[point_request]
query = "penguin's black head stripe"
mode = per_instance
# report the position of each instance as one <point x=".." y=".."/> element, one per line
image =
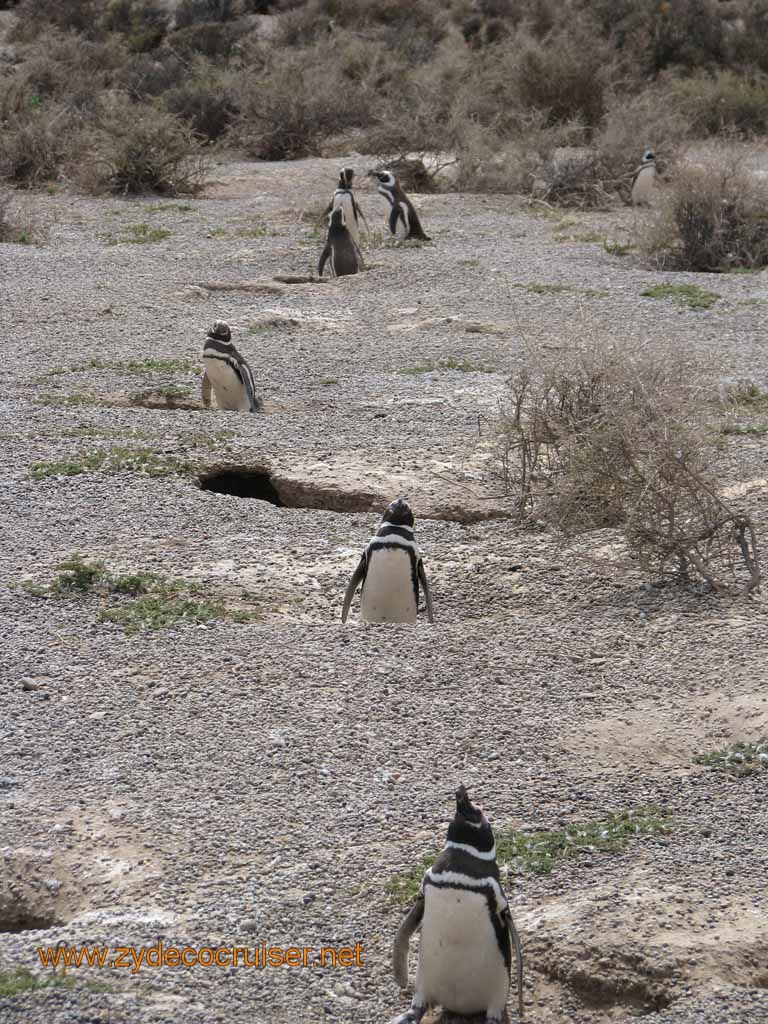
<point x="470" y="826"/>
<point x="398" y="513"/>
<point x="346" y="176"/>
<point x="221" y="331"/>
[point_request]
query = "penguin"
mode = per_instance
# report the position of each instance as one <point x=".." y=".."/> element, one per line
<point x="390" y="571"/>
<point x="341" y="251"/>
<point x="344" y="197"/>
<point x="466" y="926"/>
<point x="227" y="373"/>
<point x="643" y="180"/>
<point x="403" y="220"/>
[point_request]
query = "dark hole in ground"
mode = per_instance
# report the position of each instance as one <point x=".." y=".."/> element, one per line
<point x="242" y="483"/>
<point x="17" y="917"/>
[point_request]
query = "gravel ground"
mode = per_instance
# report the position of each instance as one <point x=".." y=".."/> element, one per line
<point x="237" y="782"/>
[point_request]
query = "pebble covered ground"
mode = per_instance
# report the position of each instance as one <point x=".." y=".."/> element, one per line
<point x="237" y="782"/>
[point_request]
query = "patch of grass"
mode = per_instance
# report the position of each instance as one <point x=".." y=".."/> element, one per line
<point x="469" y="263"/>
<point x="747" y="393"/>
<point x="168" y="207"/>
<point x="137" y="366"/>
<point x="111" y="460"/>
<point x="739" y="759"/>
<point x="617" y="248"/>
<point x="434" y="366"/>
<point x="584" y="238"/>
<point x="538" y="853"/>
<point x="746" y="430"/>
<point x="75" y="399"/>
<point x="171" y="392"/>
<point x="141" y="600"/>
<point x="689" y="295"/>
<point x="23" y="980"/>
<point x="138" y="234"/>
<point x="556" y="289"/>
<point x="327" y="382"/>
<point x="217" y="233"/>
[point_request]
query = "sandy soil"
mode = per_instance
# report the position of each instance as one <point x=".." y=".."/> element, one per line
<point x="228" y="783"/>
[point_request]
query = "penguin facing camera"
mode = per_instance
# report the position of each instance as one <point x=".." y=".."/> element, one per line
<point x="404" y="222"/>
<point x="465" y="955"/>
<point x="390" y="572"/>
<point x="226" y="373"/>
<point x="340" y="252"/>
<point x="644" y="180"/>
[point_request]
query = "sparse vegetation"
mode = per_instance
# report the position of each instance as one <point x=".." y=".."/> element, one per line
<point x="713" y="217"/>
<point x="111" y="460"/>
<point x="451" y="363"/>
<point x="739" y="759"/>
<point x="558" y="289"/>
<point x="17" y="224"/>
<point x="138" y="601"/>
<point x="138" y="234"/>
<point x="538" y="853"/>
<point x="137" y="366"/>
<point x="598" y="436"/>
<point x="689" y="295"/>
<point x="21" y="979"/>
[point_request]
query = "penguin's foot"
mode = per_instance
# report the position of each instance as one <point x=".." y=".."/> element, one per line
<point x="412" y="1016"/>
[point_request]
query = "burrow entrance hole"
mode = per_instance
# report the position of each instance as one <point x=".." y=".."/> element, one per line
<point x="242" y="483"/>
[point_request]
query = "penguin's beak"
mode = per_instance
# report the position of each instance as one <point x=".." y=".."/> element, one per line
<point x="465" y="807"/>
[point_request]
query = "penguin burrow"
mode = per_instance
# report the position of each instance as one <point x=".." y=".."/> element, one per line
<point x="390" y="571"/>
<point x="227" y="373"/>
<point x="467" y="931"/>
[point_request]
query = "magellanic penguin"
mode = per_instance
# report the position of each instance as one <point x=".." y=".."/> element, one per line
<point x="644" y="179"/>
<point x="227" y="373"/>
<point x="403" y="220"/>
<point x="340" y="252"/>
<point x="345" y="198"/>
<point x="390" y="572"/>
<point x="466" y="926"/>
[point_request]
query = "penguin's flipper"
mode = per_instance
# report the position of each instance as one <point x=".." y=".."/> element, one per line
<point x="205" y="390"/>
<point x="394" y="216"/>
<point x="254" y="403"/>
<point x="323" y="258"/>
<point x="361" y="215"/>
<point x="400" y="949"/>
<point x="358" y="576"/>
<point x="425" y="588"/>
<point x="324" y="214"/>
<point x="507" y="917"/>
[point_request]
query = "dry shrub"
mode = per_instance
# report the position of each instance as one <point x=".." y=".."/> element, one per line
<point x="712" y="103"/>
<point x="290" y="100"/>
<point x="137" y="148"/>
<point x="597" y="436"/>
<point x="142" y="23"/>
<point x="36" y="143"/>
<point x="18" y="224"/>
<point x="712" y="218"/>
<point x="204" y="99"/>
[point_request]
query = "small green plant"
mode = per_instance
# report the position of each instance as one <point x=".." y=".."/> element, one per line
<point x="111" y="460"/>
<point x="586" y="237"/>
<point x="138" y="234"/>
<point x="617" y="248"/>
<point x="138" y="601"/>
<point x="75" y="399"/>
<point x="538" y="853"/>
<point x="169" y="394"/>
<point x="556" y="289"/>
<point x="435" y="366"/>
<point x="134" y="366"/>
<point x="747" y="393"/>
<point x="739" y="759"/>
<point x="689" y="295"/>
<point x="169" y="207"/>
<point x="12" y="983"/>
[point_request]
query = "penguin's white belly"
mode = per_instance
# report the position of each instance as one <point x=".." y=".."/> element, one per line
<point x="345" y="202"/>
<point x="403" y="226"/>
<point x="388" y="589"/>
<point x="460" y="964"/>
<point x="644" y="184"/>
<point x="227" y="386"/>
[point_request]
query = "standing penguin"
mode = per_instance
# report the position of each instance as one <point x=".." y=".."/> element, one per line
<point x="345" y="198"/>
<point x="390" y="571"/>
<point x="644" y="179"/>
<point x="227" y="373"/>
<point x="341" y="251"/>
<point x="403" y="220"/>
<point x="464" y="953"/>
